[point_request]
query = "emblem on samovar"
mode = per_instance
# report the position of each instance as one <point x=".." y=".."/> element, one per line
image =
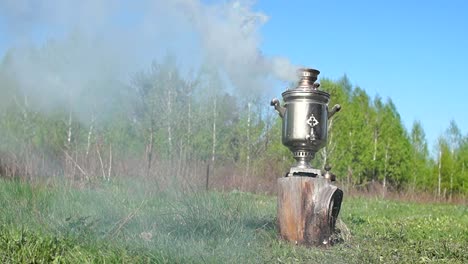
<point x="312" y="121"/>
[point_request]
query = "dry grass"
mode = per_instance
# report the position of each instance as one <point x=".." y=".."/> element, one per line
<point x="131" y="221"/>
<point x="92" y="168"/>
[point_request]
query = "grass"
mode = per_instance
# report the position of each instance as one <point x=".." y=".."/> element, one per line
<point x="130" y="222"/>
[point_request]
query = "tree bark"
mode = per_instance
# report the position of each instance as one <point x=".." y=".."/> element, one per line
<point x="149" y="149"/>
<point x="189" y="114"/>
<point x="451" y="174"/>
<point x="307" y="210"/>
<point x="169" y="120"/>
<point x="247" y="167"/>
<point x="374" y="156"/>
<point x="326" y="149"/>
<point x="440" y="175"/>
<point x="90" y="133"/>
<point x="98" y="146"/>
<point x="384" y="184"/>
<point x="213" y="149"/>
<point x="68" y="163"/>
<point x="109" y="171"/>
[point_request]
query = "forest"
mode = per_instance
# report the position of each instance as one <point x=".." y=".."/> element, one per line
<point x="195" y="129"/>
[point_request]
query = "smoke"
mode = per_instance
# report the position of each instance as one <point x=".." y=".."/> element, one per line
<point x="64" y="49"/>
<point x="229" y="36"/>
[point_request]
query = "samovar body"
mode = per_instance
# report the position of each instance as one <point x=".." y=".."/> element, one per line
<point x="305" y="117"/>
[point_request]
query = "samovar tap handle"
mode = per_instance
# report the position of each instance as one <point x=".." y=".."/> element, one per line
<point x="335" y="109"/>
<point x="281" y="110"/>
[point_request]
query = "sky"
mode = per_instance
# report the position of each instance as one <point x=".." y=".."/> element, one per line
<point x="414" y="52"/>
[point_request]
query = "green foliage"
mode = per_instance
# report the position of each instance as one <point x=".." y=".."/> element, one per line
<point x="420" y="167"/>
<point x="163" y="115"/>
<point x="367" y="140"/>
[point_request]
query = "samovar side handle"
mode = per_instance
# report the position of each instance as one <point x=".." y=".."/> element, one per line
<point x="281" y="110"/>
<point x="336" y="108"/>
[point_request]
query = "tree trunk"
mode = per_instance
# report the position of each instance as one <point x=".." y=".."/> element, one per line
<point x="213" y="149"/>
<point x="68" y="162"/>
<point x="207" y="179"/>
<point x="149" y="149"/>
<point x="349" y="178"/>
<point x="463" y="175"/>
<point x="169" y="120"/>
<point x="451" y="175"/>
<point x="69" y="133"/>
<point x="109" y="171"/>
<point x="350" y="169"/>
<point x="307" y="210"/>
<point x="98" y="147"/>
<point x="90" y="133"/>
<point x="247" y="167"/>
<point x="440" y="175"/>
<point x="326" y="149"/>
<point x="268" y="124"/>
<point x="374" y="156"/>
<point x="414" y="177"/>
<point x="384" y="184"/>
<point x="189" y="114"/>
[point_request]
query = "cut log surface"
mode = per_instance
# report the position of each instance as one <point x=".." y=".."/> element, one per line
<point x="307" y="210"/>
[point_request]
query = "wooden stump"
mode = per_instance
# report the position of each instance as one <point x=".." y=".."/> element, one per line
<point x="307" y="210"/>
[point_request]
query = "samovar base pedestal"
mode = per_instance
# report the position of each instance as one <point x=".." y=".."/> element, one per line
<point x="302" y="166"/>
<point x="304" y="172"/>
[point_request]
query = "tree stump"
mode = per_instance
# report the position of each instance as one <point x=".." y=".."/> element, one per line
<point x="307" y="210"/>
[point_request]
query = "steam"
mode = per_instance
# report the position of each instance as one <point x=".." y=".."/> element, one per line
<point x="87" y="43"/>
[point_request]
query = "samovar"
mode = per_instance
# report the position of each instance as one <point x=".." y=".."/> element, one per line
<point x="305" y="116"/>
<point x="308" y="204"/>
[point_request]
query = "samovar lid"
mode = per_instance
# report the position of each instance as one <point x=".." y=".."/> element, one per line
<point x="307" y="87"/>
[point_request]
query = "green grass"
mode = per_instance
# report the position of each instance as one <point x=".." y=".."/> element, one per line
<point x="130" y="222"/>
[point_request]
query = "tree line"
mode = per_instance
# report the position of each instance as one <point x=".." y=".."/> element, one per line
<point x="166" y="121"/>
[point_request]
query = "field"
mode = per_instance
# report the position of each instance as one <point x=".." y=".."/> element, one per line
<point x="131" y="222"/>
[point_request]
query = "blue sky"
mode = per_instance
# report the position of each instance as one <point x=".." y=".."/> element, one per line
<point x="415" y="52"/>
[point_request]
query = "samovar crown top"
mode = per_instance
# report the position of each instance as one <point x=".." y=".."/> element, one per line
<point x="307" y="78"/>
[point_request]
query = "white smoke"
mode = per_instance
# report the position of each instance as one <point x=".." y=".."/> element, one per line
<point x="89" y="41"/>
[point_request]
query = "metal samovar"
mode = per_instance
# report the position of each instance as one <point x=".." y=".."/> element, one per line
<point x="305" y="117"/>
<point x="308" y="204"/>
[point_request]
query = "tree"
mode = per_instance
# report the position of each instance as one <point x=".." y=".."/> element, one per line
<point x="461" y="175"/>
<point x="335" y="150"/>
<point x="420" y="167"/>
<point x="454" y="139"/>
<point x="360" y="136"/>
<point x="444" y="166"/>
<point x="395" y="148"/>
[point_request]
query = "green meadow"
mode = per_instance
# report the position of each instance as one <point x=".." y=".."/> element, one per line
<point x="134" y="222"/>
